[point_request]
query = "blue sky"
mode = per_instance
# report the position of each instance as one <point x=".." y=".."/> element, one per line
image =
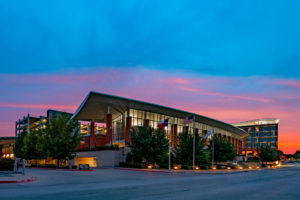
<point x="229" y="60"/>
<point x="234" y="38"/>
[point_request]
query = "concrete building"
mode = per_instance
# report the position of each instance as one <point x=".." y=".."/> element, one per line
<point x="261" y="132"/>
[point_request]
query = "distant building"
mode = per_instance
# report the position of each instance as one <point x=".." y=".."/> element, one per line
<point x="29" y="122"/>
<point x="262" y="132"/>
<point x="7" y="147"/>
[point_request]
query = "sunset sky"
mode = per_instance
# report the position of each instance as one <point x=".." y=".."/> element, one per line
<point x="229" y="60"/>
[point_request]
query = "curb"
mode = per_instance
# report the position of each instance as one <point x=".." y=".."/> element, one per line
<point x="183" y="172"/>
<point x="19" y="181"/>
<point x="142" y="170"/>
<point x="87" y="170"/>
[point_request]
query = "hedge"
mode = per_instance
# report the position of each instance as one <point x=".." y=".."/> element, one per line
<point x="6" y="165"/>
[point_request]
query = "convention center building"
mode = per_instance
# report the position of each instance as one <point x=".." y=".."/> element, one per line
<point x="118" y="115"/>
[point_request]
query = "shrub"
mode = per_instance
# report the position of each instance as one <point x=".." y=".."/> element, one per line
<point x="163" y="165"/>
<point x="186" y="167"/>
<point x="6" y="165"/>
<point x="74" y="166"/>
<point x="204" y="166"/>
<point x="132" y="165"/>
<point x="253" y="159"/>
<point x="101" y="148"/>
<point x="50" y="166"/>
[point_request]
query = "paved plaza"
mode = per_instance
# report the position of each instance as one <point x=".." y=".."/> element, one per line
<point x="283" y="183"/>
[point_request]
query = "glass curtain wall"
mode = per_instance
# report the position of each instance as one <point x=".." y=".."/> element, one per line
<point x="117" y="128"/>
<point x="139" y="116"/>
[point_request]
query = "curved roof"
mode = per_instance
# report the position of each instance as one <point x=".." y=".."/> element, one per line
<point x="94" y="108"/>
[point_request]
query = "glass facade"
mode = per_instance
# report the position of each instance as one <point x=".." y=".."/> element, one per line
<point x="261" y="135"/>
<point x="139" y="117"/>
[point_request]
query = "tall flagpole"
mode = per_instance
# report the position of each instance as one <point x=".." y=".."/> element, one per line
<point x="194" y="141"/>
<point x="169" y="147"/>
<point x="213" y="150"/>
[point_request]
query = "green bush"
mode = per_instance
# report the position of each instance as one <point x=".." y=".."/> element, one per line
<point x="163" y="165"/>
<point x="253" y="159"/>
<point x="6" y="165"/>
<point x="74" y="166"/>
<point x="49" y="166"/>
<point x="101" y="148"/>
<point x="132" y="165"/>
<point x="204" y="166"/>
<point x="186" y="167"/>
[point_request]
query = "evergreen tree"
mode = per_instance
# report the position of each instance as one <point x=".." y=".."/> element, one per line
<point x="223" y="150"/>
<point x="184" y="150"/>
<point x="268" y="154"/>
<point x="148" y="144"/>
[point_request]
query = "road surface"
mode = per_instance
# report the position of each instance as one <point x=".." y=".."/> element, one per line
<point x="283" y="183"/>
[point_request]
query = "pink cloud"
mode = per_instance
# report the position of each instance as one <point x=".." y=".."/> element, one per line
<point x="290" y="83"/>
<point x="229" y="99"/>
<point x="38" y="106"/>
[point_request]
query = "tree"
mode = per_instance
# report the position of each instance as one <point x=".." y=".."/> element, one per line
<point x="148" y="144"/>
<point x="223" y="150"/>
<point x="268" y="154"/>
<point x="184" y="150"/>
<point x="19" y="144"/>
<point x="297" y="155"/>
<point x="29" y="145"/>
<point x="62" y="136"/>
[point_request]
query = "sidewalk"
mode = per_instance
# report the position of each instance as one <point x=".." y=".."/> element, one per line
<point x="9" y="177"/>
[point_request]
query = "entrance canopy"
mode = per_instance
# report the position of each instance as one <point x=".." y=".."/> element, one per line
<point x="95" y="107"/>
<point x="7" y="140"/>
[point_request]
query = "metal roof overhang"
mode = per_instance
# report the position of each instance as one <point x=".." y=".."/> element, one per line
<point x="94" y="108"/>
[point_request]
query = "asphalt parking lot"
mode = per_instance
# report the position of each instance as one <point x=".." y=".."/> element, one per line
<point x="283" y="183"/>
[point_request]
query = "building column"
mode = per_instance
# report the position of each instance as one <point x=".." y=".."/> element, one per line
<point x="92" y="134"/>
<point x="127" y="129"/>
<point x="197" y="131"/>
<point x="241" y="146"/>
<point x="174" y="138"/>
<point x="86" y="141"/>
<point x="232" y="141"/>
<point x="146" y="122"/>
<point x="245" y="145"/>
<point x="108" y="129"/>
<point x="185" y="129"/>
<point x="234" y="144"/>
